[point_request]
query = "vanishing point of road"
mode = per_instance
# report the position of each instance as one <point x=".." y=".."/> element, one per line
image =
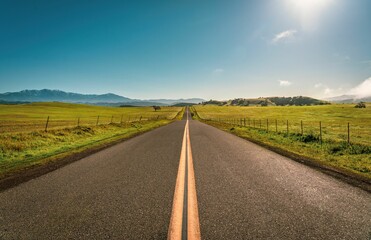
<point x="186" y="180"/>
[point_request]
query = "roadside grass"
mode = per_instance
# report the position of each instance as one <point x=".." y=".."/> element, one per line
<point x="27" y="148"/>
<point x="334" y="150"/>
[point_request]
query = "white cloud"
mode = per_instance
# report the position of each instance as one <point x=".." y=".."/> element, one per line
<point x="328" y="91"/>
<point x="331" y="92"/>
<point x="341" y="57"/>
<point x="318" y="85"/>
<point x="284" y="83"/>
<point x="218" y="71"/>
<point x="363" y="89"/>
<point x="285" y="35"/>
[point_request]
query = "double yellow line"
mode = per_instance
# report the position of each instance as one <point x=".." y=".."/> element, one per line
<point x="184" y="222"/>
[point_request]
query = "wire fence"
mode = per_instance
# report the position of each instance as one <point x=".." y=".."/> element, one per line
<point x="54" y="122"/>
<point x="319" y="130"/>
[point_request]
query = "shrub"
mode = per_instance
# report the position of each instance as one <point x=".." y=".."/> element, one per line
<point x="360" y="105"/>
<point x="309" y="138"/>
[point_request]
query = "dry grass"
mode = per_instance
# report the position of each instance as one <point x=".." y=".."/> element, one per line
<point x="24" y="143"/>
<point x="32" y="117"/>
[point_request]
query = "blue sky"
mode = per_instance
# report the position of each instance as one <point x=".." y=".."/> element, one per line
<point x="173" y="49"/>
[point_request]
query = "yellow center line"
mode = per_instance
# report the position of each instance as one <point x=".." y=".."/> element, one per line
<point x="176" y="224"/>
<point x="175" y="227"/>
<point x="193" y="219"/>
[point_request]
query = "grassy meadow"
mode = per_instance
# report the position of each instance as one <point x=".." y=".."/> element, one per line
<point x="32" y="117"/>
<point x="72" y="128"/>
<point x="332" y="149"/>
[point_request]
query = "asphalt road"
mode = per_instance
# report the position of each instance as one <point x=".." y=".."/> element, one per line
<point x="243" y="192"/>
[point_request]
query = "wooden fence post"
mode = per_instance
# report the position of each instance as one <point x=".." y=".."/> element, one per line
<point x="301" y="125"/>
<point x="276" y="126"/>
<point x="112" y="119"/>
<point x="260" y="123"/>
<point x="78" y="122"/>
<point x="287" y="124"/>
<point x="46" y="125"/>
<point x="121" y="118"/>
<point x="320" y="132"/>
<point x="348" y="134"/>
<point x="97" y="120"/>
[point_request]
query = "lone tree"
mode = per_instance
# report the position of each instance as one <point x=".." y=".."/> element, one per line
<point x="156" y="108"/>
<point x="264" y="103"/>
<point x="360" y="105"/>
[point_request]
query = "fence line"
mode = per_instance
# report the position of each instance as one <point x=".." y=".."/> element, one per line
<point x="359" y="134"/>
<point x="57" y="122"/>
<point x="292" y="127"/>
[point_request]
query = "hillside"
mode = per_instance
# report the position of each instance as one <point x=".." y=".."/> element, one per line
<point x="269" y="101"/>
<point x="46" y="95"/>
<point x="109" y="99"/>
<point x="177" y="101"/>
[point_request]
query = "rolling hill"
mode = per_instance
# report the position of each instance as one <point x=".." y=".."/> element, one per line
<point x="109" y="99"/>
<point x="269" y="101"/>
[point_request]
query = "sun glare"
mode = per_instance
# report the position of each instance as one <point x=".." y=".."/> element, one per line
<point x="308" y="11"/>
<point x="310" y="5"/>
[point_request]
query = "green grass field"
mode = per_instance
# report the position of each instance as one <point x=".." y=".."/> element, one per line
<point x="24" y="142"/>
<point x="32" y="117"/>
<point x="333" y="150"/>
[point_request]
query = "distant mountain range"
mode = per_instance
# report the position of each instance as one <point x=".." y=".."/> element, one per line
<point x="348" y="99"/>
<point x="109" y="99"/>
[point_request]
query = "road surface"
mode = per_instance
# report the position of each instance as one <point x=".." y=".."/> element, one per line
<point x="128" y="191"/>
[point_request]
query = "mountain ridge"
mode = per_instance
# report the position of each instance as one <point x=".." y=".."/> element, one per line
<point x="107" y="99"/>
<point x="269" y="101"/>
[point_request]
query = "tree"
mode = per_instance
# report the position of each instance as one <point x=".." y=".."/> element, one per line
<point x="360" y="105"/>
<point x="264" y="103"/>
<point x="156" y="108"/>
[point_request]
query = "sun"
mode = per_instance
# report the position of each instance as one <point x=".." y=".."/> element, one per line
<point x="308" y="11"/>
<point x="310" y="5"/>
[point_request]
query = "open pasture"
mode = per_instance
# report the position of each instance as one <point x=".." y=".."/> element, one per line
<point x="334" y="120"/>
<point x="33" y="117"/>
<point x="72" y="128"/>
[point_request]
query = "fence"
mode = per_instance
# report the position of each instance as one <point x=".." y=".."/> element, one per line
<point x="53" y="122"/>
<point x="313" y="130"/>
